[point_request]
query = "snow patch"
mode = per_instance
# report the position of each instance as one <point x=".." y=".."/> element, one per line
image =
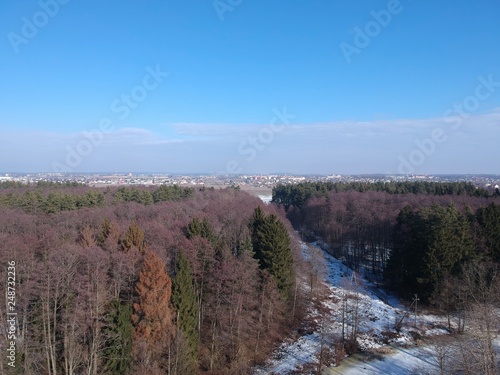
<point x="377" y="314"/>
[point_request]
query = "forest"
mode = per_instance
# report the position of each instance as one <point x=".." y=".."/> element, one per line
<point x="175" y="280"/>
<point x="439" y="243"/>
<point x="409" y="235"/>
<point x="138" y="280"/>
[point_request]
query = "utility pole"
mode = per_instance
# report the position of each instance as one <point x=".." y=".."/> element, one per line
<point x="415" y="300"/>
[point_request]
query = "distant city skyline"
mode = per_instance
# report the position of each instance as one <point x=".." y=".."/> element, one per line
<point x="219" y="87"/>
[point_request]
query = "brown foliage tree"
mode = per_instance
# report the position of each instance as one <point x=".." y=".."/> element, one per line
<point x="153" y="315"/>
<point x="134" y="237"/>
<point x="87" y="238"/>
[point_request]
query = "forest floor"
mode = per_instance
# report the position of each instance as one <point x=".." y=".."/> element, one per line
<point x="382" y="349"/>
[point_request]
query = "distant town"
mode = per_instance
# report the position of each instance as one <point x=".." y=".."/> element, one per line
<point x="248" y="181"/>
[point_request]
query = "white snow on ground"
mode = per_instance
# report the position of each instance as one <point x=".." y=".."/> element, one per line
<point x="377" y="313"/>
<point x="266" y="198"/>
<point x="401" y="361"/>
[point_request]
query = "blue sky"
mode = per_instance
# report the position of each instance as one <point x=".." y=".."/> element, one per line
<point x="303" y="86"/>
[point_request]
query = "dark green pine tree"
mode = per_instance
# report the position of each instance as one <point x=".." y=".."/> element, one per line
<point x="184" y="302"/>
<point x="258" y="221"/>
<point x="489" y="221"/>
<point x="406" y="266"/>
<point x="451" y="244"/>
<point x="429" y="245"/>
<point x="202" y="229"/>
<point x="119" y="332"/>
<point x="271" y="244"/>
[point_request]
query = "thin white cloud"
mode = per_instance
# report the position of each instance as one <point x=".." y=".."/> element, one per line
<point x="137" y="136"/>
<point x="225" y="131"/>
<point x="395" y="128"/>
<point x="341" y="146"/>
<point x="125" y="136"/>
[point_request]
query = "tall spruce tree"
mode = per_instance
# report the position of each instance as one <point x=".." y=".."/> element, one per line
<point x="451" y="242"/>
<point x="185" y="304"/>
<point x="271" y="244"/>
<point x="406" y="263"/>
<point x="258" y="221"/>
<point x="489" y="221"/>
<point x="120" y="333"/>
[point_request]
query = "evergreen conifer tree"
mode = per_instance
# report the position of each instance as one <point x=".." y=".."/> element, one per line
<point x="489" y="220"/>
<point x="272" y="248"/>
<point x="202" y="229"/>
<point x="184" y="302"/>
<point x="120" y="332"/>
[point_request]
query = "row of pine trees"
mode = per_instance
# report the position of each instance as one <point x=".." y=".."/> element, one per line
<point x="435" y="243"/>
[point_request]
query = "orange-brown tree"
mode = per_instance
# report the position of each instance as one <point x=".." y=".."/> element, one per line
<point x="153" y="315"/>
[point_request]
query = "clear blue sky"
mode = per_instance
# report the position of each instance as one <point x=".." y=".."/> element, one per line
<point x="65" y="68"/>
